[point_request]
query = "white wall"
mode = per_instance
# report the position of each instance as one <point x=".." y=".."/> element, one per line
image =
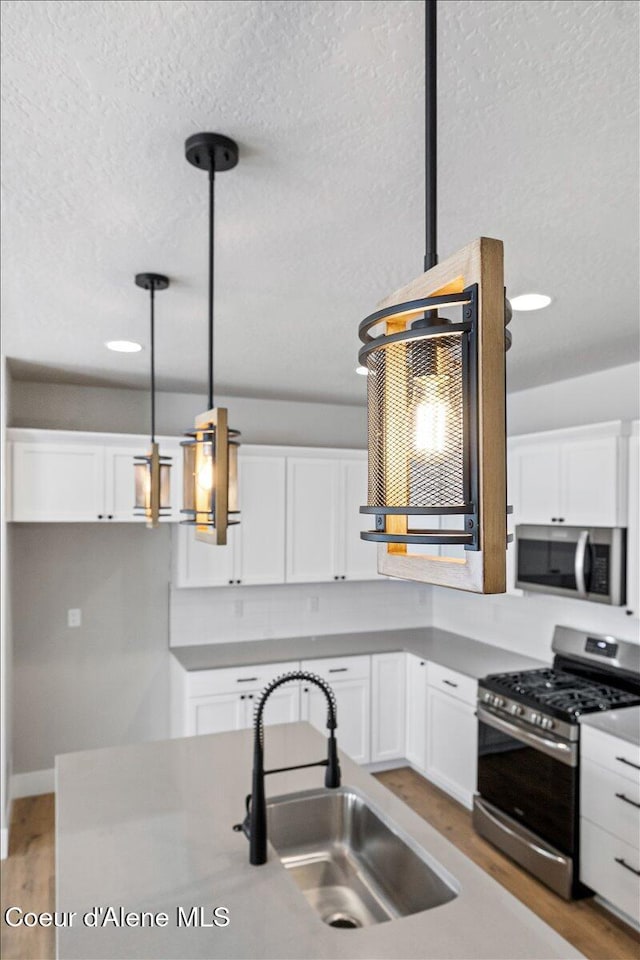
<point x="213" y="615"/>
<point x="606" y="395"/>
<point x="5" y="628"/>
<point x="68" y="407"/>
<point x="103" y="683"/>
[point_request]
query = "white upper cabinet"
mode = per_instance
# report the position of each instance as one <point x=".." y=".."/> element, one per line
<point x="198" y="564"/>
<point x="57" y="481"/>
<point x="68" y="476"/>
<point x="313" y="510"/>
<point x="360" y="556"/>
<point x="262" y="514"/>
<point x="577" y="477"/>
<point x="324" y="496"/>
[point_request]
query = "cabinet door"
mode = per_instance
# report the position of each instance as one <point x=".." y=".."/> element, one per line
<point x="360" y="556"/>
<point x="119" y="483"/>
<point x="198" y="564"/>
<point x="352" y="699"/>
<point x="387" y="706"/>
<point x="633" y="531"/>
<point x="589" y="482"/>
<point x="452" y="745"/>
<point x="57" y="482"/>
<point x="416" y="711"/>
<point x="312" y="519"/>
<point x="262" y="519"/>
<point x="283" y="706"/>
<point x="216" y="714"/>
<point x="538" y="495"/>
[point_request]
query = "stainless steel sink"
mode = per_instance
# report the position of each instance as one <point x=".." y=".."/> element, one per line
<point x="354" y="866"/>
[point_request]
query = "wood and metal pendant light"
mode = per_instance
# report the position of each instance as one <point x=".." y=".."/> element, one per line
<point x="436" y="404"/>
<point x="152" y="471"/>
<point x="210" y="469"/>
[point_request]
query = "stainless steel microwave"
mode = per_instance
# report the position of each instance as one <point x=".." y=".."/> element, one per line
<point x="587" y="563"/>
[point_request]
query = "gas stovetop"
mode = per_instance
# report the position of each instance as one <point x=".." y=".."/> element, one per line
<point x="558" y="693"/>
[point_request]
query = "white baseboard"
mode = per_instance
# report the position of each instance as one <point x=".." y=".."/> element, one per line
<point x="630" y="921"/>
<point x="33" y="783"/>
<point x="380" y="765"/>
<point x="4" y="843"/>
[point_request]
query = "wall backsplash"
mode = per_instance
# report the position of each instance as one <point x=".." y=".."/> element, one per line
<point x="222" y="614"/>
<point x="525" y="624"/>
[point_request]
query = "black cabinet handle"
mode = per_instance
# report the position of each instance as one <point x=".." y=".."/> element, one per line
<point x="305" y="690"/>
<point x="628" y="763"/>
<point x="554" y="519"/>
<point x="247" y="679"/>
<point x="242" y="696"/>
<point x="110" y="516"/>
<point x="338" y="669"/>
<point x="230" y="581"/>
<point x="627" y="866"/>
<point x="633" y="803"/>
<point x="100" y="516"/>
<point x="560" y="519"/>
<point x="343" y="577"/>
<point x="336" y="577"/>
<point x="422" y="663"/>
<point x="450" y="683"/>
<point x="249" y="696"/>
<point x="238" y="581"/>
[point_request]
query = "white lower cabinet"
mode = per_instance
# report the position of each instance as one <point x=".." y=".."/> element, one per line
<point x="350" y="680"/>
<point x="416" y="711"/>
<point x="609" y="820"/>
<point x="452" y="733"/>
<point x="387" y="706"/>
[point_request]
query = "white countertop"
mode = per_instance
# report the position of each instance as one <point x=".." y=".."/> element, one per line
<point x="148" y="827"/>
<point x="471" y="657"/>
<point x="623" y="723"/>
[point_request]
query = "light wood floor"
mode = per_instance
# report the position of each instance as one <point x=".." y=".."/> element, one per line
<point x="28" y="875"/>
<point x="592" y="930"/>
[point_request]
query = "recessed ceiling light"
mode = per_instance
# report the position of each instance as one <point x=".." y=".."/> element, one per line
<point x="362" y="371"/>
<point x="123" y="346"/>
<point x="530" y="301"/>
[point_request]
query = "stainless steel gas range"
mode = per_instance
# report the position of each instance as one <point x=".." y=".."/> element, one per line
<point x="528" y="750"/>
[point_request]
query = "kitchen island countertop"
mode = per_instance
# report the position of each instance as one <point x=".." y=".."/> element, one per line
<point x="147" y="827"/>
<point x="623" y="723"/>
<point x="471" y="657"/>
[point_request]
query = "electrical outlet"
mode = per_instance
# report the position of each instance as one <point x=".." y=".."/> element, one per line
<point x="74" y="617"/>
<point x="238" y="608"/>
<point x="313" y="604"/>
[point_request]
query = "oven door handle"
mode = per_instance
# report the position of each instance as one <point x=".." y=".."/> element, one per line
<point x="564" y="752"/>
<point x="533" y="846"/>
<point x="579" y="563"/>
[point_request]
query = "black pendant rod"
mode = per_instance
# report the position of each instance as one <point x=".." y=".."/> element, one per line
<point x="153" y="364"/>
<point x="212" y="175"/>
<point x="430" y="136"/>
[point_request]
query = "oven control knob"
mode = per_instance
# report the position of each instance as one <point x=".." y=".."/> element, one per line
<point x="488" y="697"/>
<point x="535" y="718"/>
<point x="548" y="724"/>
<point x="516" y="709"/>
<point x="498" y="702"/>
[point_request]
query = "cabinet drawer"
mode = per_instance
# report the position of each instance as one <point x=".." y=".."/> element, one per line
<point x="457" y="684"/>
<point x="602" y="870"/>
<point x="339" y="668"/>
<point x="611" y="801"/>
<point x="611" y="752"/>
<point x="230" y="679"/>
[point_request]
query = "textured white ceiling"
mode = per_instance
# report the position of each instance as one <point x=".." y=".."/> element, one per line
<point x="324" y="214"/>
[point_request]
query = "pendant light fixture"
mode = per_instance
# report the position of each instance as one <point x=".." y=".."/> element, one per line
<point x="211" y="450"/>
<point x="151" y="472"/>
<point x="436" y="403"/>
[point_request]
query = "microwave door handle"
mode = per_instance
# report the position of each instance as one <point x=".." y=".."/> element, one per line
<point x="580" y="561"/>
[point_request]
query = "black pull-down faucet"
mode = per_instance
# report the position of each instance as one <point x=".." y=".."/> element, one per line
<point x="254" y="825"/>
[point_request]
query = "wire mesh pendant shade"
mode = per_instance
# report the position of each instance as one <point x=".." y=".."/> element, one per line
<point x="436" y="423"/>
<point x="210" y="477"/>
<point x="152" y="478"/>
